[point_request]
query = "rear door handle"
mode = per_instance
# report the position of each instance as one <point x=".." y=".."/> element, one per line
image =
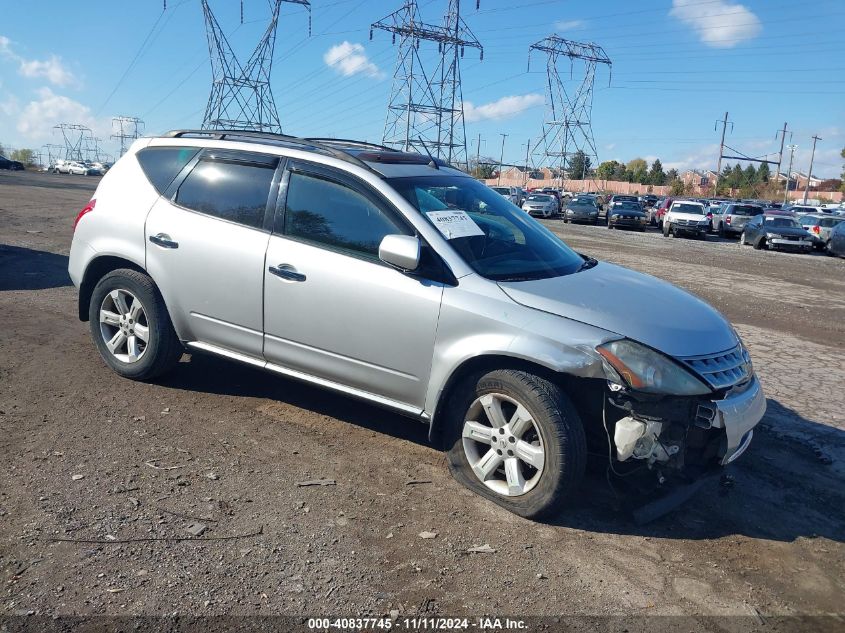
<point x="286" y="272"/>
<point x="163" y="240"/>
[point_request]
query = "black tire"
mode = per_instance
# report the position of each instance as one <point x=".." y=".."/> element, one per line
<point x="559" y="428"/>
<point x="163" y="348"/>
<point x="742" y="241"/>
<point x="760" y="244"/>
<point x="721" y="230"/>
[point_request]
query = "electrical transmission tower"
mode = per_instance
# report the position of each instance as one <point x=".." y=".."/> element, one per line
<point x="567" y="127"/>
<point x="425" y="112"/>
<point x="240" y="97"/>
<point x="54" y="152"/>
<point x="74" y="136"/>
<point x="126" y="129"/>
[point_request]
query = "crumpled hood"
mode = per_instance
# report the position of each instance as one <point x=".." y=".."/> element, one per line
<point x="637" y="306"/>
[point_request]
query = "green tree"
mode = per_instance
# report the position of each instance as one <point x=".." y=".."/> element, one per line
<point x="749" y="175"/>
<point x="655" y="174"/>
<point x="578" y="165"/>
<point x="25" y="156"/>
<point x="620" y="172"/>
<point x="637" y="170"/>
<point x="671" y="175"/>
<point x="763" y="172"/>
<point x="676" y="187"/>
<point x="737" y="177"/>
<point x="606" y="169"/>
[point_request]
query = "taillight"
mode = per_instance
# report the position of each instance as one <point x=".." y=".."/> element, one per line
<point x="816" y="230"/>
<point x="86" y="209"/>
<point x="728" y="220"/>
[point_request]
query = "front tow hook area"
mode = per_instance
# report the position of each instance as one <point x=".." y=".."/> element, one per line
<point x="678" y="495"/>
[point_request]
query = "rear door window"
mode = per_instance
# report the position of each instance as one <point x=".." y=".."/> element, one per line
<point x="162" y="164"/>
<point x="232" y="190"/>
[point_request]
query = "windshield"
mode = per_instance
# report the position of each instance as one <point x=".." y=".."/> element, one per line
<point x="624" y="199"/>
<point x="688" y="208"/>
<point x="746" y="209"/>
<point x="538" y="198"/>
<point x="626" y="206"/>
<point x="781" y="222"/>
<point x="581" y="206"/>
<point x="500" y="242"/>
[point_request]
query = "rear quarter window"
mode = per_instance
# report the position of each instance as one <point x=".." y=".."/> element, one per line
<point x="162" y="164"/>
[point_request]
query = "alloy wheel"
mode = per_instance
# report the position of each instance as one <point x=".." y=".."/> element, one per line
<point x="503" y="445"/>
<point x="124" y="326"/>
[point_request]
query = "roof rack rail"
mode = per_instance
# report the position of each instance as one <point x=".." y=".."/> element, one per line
<point x="294" y="142"/>
<point x="350" y="142"/>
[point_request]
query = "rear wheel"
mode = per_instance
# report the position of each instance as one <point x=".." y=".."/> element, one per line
<point x="516" y="439"/>
<point x="131" y="327"/>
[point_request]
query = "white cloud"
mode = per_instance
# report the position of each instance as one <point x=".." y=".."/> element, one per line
<point x="719" y="24"/>
<point x="503" y="108"/>
<point x="350" y="59"/>
<point x="569" y="25"/>
<point x="37" y="118"/>
<point x="52" y="69"/>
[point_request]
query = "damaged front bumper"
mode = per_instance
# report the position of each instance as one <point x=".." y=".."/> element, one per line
<point x="679" y="433"/>
<point x="738" y="415"/>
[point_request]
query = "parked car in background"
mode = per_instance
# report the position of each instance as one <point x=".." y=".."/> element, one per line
<point x="836" y="243"/>
<point x="582" y="209"/>
<point x="551" y="191"/>
<point x="12" y="165"/>
<point x="78" y="169"/>
<point x="730" y="218"/>
<point x="540" y="204"/>
<point x="820" y="225"/>
<point x="686" y="217"/>
<point x="768" y="230"/>
<point x="660" y="211"/>
<point x="511" y="193"/>
<point x="804" y="209"/>
<point x="626" y="214"/>
<point x="648" y="201"/>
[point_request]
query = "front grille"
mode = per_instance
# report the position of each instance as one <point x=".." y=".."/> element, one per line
<point x="722" y="370"/>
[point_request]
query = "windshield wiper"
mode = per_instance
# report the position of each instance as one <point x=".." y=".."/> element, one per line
<point x="589" y="262"/>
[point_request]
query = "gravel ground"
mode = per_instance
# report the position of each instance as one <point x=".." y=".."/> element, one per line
<point x="91" y="457"/>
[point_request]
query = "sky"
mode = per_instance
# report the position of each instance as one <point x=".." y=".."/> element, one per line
<point x="678" y="66"/>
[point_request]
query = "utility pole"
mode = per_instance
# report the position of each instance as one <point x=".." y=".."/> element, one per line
<point x="126" y="129"/>
<point x="810" y="171"/>
<point x="792" y="149"/>
<point x="527" y="155"/>
<point x="501" y="159"/>
<point x="722" y="145"/>
<point x="782" y="140"/>
<point x="478" y="154"/>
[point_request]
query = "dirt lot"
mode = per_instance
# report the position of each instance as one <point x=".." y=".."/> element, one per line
<point x="89" y="456"/>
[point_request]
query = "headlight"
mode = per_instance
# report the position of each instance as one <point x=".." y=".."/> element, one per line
<point x="594" y="212"/>
<point x="772" y="236"/>
<point x="643" y="369"/>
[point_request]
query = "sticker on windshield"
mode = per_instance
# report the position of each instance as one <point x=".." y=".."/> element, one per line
<point x="454" y="224"/>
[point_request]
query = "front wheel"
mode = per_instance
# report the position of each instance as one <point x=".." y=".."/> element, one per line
<point x="131" y="327"/>
<point x="760" y="244"/>
<point x="516" y="439"/>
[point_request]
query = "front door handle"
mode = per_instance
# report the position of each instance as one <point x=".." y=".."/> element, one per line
<point x="163" y="240"/>
<point x="286" y="272"/>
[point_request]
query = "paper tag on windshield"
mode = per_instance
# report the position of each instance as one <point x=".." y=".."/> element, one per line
<point x="454" y="224"/>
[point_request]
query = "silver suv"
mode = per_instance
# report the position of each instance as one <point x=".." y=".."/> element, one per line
<point x="395" y="278"/>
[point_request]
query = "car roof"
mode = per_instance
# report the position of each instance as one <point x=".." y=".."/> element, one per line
<point x="385" y="161"/>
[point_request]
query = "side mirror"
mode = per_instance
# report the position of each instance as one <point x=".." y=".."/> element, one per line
<point x="402" y="251"/>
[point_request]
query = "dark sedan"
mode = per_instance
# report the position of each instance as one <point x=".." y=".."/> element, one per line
<point x="776" y="231"/>
<point x="626" y="214"/>
<point x="582" y="209"/>
<point x="13" y="165"/>
<point x="836" y="243"/>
